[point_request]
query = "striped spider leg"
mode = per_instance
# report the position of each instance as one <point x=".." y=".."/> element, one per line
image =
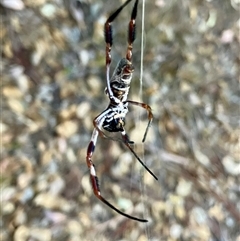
<point x="112" y="119"/>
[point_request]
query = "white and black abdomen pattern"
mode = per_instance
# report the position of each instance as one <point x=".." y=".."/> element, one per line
<point x="115" y="118"/>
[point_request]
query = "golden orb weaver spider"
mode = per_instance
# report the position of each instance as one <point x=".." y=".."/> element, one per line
<point x="112" y="119"/>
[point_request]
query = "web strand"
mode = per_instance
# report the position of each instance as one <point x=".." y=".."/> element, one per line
<point x="142" y="187"/>
<point x="142" y="46"/>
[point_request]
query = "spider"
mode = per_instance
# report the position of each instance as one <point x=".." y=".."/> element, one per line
<point x="112" y="119"/>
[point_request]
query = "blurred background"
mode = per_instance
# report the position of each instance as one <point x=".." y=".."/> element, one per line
<point x="53" y="81"/>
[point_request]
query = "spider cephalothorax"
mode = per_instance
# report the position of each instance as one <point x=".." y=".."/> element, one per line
<point x="121" y="79"/>
<point x="112" y="119"/>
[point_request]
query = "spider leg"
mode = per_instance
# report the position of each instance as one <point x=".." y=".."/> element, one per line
<point x="98" y="121"/>
<point x="150" y="115"/>
<point x="94" y="178"/>
<point x="126" y="142"/>
<point x="132" y="32"/>
<point x="109" y="41"/>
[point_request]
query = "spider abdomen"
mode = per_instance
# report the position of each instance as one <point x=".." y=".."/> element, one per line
<point x="114" y="124"/>
<point x="115" y="120"/>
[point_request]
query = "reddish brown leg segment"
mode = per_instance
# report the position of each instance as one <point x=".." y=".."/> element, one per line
<point x="150" y="115"/>
<point x="94" y="178"/>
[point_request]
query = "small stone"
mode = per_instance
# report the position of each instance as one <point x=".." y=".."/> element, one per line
<point x="50" y="201"/>
<point x="23" y="83"/>
<point x="34" y="3"/>
<point x="55" y="217"/>
<point x="217" y="212"/>
<point x="95" y="84"/>
<point x="176" y="231"/>
<point x="21" y="234"/>
<point x="20" y="217"/>
<point x="69" y="112"/>
<point x="12" y="92"/>
<point x="74" y="227"/>
<point x="194" y="99"/>
<point x="203" y="159"/>
<point x="231" y="166"/>
<point x="8" y="193"/>
<point x="67" y="128"/>
<point x="7" y="208"/>
<point x="83" y="109"/>
<point x="185" y="87"/>
<point x="24" y="180"/>
<point x="57" y="185"/>
<point x="40" y="234"/>
<point x="227" y="36"/>
<point x="16" y="106"/>
<point x="124" y="203"/>
<point x="184" y="188"/>
<point x="158" y="208"/>
<point x="86" y="185"/>
<point x="199" y="215"/>
<point x="3" y="128"/>
<point x="13" y="4"/>
<point x="84" y="57"/>
<point x="26" y="195"/>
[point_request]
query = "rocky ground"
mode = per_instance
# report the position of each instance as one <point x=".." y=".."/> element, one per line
<point x="53" y="80"/>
